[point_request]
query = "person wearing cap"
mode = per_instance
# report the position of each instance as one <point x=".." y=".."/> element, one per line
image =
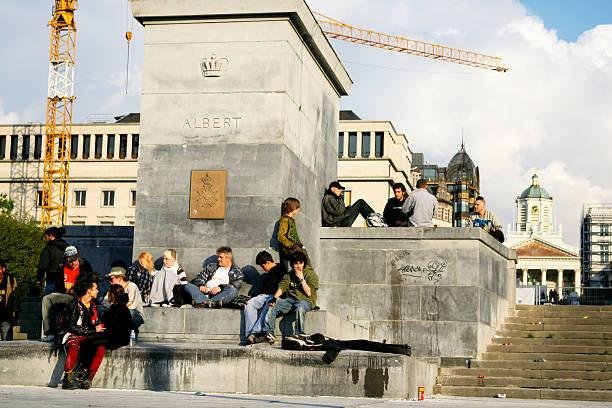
<point x="73" y="267"/>
<point x="8" y="284"/>
<point x="333" y="211"/>
<point x="118" y="276"/>
<point x="50" y="258"/>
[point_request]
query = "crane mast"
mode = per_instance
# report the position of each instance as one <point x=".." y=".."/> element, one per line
<point x="60" y="95"/>
<point x="341" y="31"/>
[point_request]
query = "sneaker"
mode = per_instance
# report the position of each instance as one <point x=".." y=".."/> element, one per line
<point x="186" y="306"/>
<point x="216" y="304"/>
<point x="201" y="305"/>
<point x="251" y="338"/>
<point x="269" y="338"/>
<point x="70" y="381"/>
<point x="48" y="338"/>
<point x="166" y="305"/>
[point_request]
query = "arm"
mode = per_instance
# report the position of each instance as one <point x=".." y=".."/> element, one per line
<point x="387" y="213"/>
<point x="496" y="223"/>
<point x="201" y="278"/>
<point x="236" y="277"/>
<point x="408" y="205"/>
<point x="283" y="229"/>
<point x="310" y="282"/>
<point x="43" y="262"/>
<point x="333" y="206"/>
<point x="182" y="276"/>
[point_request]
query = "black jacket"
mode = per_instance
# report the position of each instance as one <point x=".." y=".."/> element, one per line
<point x="118" y="323"/>
<point x="333" y="210"/>
<point x="78" y="319"/>
<point x="272" y="279"/>
<point x="85" y="272"/>
<point x="51" y="256"/>
<point x="393" y="212"/>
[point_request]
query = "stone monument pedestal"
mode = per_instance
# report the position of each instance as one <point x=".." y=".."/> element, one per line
<point x="248" y="87"/>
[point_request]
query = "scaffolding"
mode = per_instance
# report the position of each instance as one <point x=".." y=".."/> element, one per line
<point x="595" y="244"/>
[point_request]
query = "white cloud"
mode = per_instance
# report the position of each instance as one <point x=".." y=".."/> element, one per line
<point x="7" y="117"/>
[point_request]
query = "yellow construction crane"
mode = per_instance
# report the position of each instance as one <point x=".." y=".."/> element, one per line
<point x="333" y="28"/>
<point x="60" y="95"/>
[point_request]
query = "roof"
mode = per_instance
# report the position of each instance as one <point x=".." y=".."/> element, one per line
<point x="348" y="115"/>
<point x="539" y="248"/>
<point x="461" y="167"/>
<point x="534" y="190"/>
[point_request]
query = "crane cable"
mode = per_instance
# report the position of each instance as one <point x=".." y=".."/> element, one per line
<point x="129" y="24"/>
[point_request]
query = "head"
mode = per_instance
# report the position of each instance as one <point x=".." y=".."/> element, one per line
<point x="336" y="188"/>
<point x="118" y="276"/>
<point x="421" y="183"/>
<point x="265" y="261"/>
<point x="52" y="233"/>
<point x="290" y="207"/>
<point x="84" y="288"/>
<point x="480" y="205"/>
<point x="117" y="295"/>
<point x="224" y="257"/>
<point x="169" y="257"/>
<point x="399" y="191"/>
<point x="145" y="259"/>
<point x="298" y="261"/>
<point x="71" y="257"/>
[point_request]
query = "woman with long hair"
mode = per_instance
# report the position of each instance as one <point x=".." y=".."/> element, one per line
<point x="141" y="273"/>
<point x="117" y="319"/>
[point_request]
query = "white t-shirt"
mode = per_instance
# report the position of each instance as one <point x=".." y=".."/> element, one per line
<point x="221" y="277"/>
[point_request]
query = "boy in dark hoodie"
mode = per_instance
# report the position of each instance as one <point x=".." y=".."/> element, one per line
<point x="50" y="258"/>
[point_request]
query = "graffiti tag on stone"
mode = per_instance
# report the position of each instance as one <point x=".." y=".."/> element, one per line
<point x="433" y="270"/>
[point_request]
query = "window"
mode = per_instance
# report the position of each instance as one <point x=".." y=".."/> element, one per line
<point x="74" y="146"/>
<point x="340" y="144"/>
<point x="25" y="147"/>
<point x="2" y="147"/>
<point x="365" y="144"/>
<point x="110" y="147"/>
<point x="13" y="147"/>
<point x="605" y="253"/>
<point x="98" y="147"/>
<point x="122" y="146"/>
<point x="86" y="146"/>
<point x="37" y="146"/>
<point x="80" y="198"/>
<point x="39" y="196"/>
<point x="379" y="144"/>
<point x="78" y="222"/>
<point x="108" y="198"/>
<point x="132" y="198"/>
<point x="605" y="230"/>
<point x="135" y="141"/>
<point x="352" y="144"/>
<point x="107" y="223"/>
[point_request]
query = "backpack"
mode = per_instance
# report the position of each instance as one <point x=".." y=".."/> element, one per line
<point x="376" y="220"/>
<point x="274" y="243"/>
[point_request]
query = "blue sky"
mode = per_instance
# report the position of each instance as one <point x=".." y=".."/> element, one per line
<point x="570" y="18"/>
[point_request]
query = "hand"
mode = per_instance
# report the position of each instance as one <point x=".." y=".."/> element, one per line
<point x="299" y="275"/>
<point x="100" y="328"/>
<point x="214" y="290"/>
<point x="39" y="284"/>
<point x="272" y="302"/>
<point x="203" y="289"/>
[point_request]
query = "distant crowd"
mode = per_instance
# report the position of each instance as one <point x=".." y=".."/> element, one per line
<point x="86" y="323"/>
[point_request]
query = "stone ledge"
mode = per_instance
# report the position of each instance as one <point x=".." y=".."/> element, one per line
<point x="259" y="369"/>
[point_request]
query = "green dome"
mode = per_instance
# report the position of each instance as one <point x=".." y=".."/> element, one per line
<point x="534" y="190"/>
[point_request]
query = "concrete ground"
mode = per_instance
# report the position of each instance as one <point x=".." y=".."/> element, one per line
<point x="19" y="396"/>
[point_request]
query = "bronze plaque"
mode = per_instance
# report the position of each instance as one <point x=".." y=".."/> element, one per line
<point x="207" y="194"/>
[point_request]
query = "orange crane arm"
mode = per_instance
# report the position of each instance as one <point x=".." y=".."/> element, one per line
<point x="341" y="31"/>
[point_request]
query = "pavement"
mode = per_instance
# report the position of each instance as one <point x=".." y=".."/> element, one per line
<point x="20" y="396"/>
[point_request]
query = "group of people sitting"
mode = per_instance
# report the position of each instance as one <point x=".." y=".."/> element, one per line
<point x="414" y="209"/>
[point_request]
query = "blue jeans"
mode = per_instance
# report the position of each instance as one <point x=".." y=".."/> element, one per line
<point x="49" y="288"/>
<point x="137" y="319"/>
<point x="225" y="296"/>
<point x="284" y="306"/>
<point x="255" y="313"/>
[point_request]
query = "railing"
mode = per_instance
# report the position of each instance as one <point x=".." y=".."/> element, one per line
<point x="568" y="295"/>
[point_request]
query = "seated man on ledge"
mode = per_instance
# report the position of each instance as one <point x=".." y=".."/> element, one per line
<point x="486" y="219"/>
<point x="300" y="285"/>
<point x="333" y="211"/>
<point x="218" y="283"/>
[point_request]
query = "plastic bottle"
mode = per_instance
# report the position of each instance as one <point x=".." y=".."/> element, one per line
<point x="132" y="338"/>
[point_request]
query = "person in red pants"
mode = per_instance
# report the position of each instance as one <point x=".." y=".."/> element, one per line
<point x="83" y="338"/>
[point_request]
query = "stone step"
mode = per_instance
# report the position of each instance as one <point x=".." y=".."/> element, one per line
<point x="526" y="373"/>
<point x="527" y="393"/>
<point x="601" y="366"/>
<point x="563" y="321"/>
<point x="549" y="348"/>
<point x="558" y="327"/>
<point x="546" y="356"/>
<point x="227" y="325"/>
<point x="218" y="368"/>
<point x="561" y="313"/>
<point x="565" y="308"/>
<point x="565" y="334"/>
<point x="552" y="341"/>
<point x="520" y="382"/>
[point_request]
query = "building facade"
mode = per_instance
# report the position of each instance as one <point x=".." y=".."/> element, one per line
<point x="542" y="256"/>
<point x="103" y="167"/>
<point x="595" y="244"/>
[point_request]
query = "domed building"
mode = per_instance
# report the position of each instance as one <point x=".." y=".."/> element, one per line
<point x="542" y="257"/>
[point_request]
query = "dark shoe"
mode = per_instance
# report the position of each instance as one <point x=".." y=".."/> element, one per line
<point x="251" y="338"/>
<point x="201" y="305"/>
<point x="216" y="304"/>
<point x="269" y="338"/>
<point x="70" y="382"/>
<point x="82" y="379"/>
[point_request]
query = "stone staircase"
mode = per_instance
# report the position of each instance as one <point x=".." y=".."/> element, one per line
<point x="29" y="322"/>
<point x="543" y="352"/>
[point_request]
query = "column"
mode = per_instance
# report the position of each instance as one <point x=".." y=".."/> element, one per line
<point x="543" y="279"/>
<point x="577" y="281"/>
<point x="559" y="280"/>
<point x="525" y="276"/>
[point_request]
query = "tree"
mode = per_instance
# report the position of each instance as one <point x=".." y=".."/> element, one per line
<point x="20" y="245"/>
